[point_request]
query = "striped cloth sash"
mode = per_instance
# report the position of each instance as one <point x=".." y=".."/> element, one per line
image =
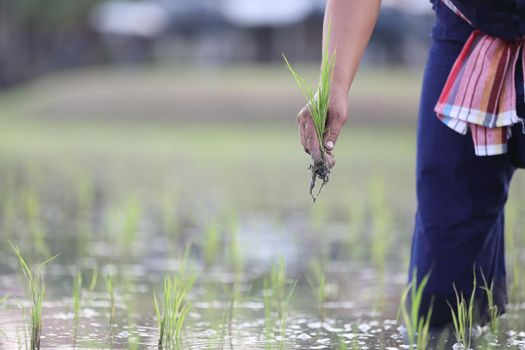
<point x="480" y="92"/>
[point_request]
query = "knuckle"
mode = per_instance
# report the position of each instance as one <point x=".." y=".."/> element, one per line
<point x="338" y="116"/>
<point x="334" y="132"/>
<point x="343" y="118"/>
<point x="301" y="116"/>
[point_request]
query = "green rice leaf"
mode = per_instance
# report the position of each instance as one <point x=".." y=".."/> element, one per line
<point x="318" y="101"/>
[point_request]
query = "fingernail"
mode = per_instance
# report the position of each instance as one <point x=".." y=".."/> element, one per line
<point x="330" y="144"/>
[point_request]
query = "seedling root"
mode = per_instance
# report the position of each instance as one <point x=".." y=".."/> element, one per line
<point x="321" y="171"/>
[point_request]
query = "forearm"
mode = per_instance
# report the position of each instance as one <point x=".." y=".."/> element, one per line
<point x="351" y="25"/>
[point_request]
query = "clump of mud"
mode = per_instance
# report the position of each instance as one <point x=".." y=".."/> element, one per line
<point x="321" y="171"/>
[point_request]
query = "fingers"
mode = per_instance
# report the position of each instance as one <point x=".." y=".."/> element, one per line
<point x="312" y="141"/>
<point x="330" y="160"/>
<point x="336" y="120"/>
<point x="300" y="124"/>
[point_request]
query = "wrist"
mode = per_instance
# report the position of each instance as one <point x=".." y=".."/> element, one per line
<point x="339" y="90"/>
<point x="338" y="94"/>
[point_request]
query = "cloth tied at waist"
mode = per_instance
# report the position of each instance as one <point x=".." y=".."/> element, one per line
<point x="480" y="92"/>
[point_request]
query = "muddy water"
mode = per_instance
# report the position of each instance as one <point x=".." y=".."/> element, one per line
<point x="360" y="309"/>
<point x="356" y="321"/>
<point x="135" y="233"/>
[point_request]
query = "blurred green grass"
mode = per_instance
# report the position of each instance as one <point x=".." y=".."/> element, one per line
<point x="228" y="132"/>
<point x="261" y="161"/>
<point x="236" y="123"/>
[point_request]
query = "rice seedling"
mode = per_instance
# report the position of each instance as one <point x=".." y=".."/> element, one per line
<point x="173" y="308"/>
<point x="269" y="322"/>
<point x="276" y="284"/>
<point x="77" y="296"/>
<point x="316" y="279"/>
<point x="111" y="293"/>
<point x="77" y="303"/>
<point x="227" y="322"/>
<point x="318" y="101"/>
<point x="123" y="223"/>
<point x="33" y="221"/>
<point x="85" y="200"/>
<point x="381" y="225"/>
<point x="276" y="299"/>
<point x="463" y="316"/>
<point x="130" y="222"/>
<point x="493" y="312"/>
<point x="234" y="248"/>
<point x="84" y="207"/>
<point x="211" y="245"/>
<point x="133" y="337"/>
<point x="344" y="346"/>
<point x="417" y="326"/>
<point x="37" y="290"/>
<point x="94" y="280"/>
<point x="171" y="311"/>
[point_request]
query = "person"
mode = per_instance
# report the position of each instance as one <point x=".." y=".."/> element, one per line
<point x="469" y="139"/>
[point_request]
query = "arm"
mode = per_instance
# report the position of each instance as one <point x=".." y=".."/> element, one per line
<point x="352" y="23"/>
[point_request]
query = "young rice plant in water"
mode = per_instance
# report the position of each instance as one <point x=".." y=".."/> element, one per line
<point x="316" y="279"/>
<point x="211" y="245"/>
<point x="77" y="304"/>
<point x="276" y="298"/>
<point x="234" y="293"/>
<point x="318" y="101"/>
<point x="173" y="308"/>
<point x="171" y="311"/>
<point x="463" y="316"/>
<point x="111" y="293"/>
<point x="492" y="308"/>
<point x="77" y="296"/>
<point x="417" y="326"/>
<point x="37" y="291"/>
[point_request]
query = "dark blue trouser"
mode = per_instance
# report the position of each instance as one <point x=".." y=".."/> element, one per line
<point x="459" y="223"/>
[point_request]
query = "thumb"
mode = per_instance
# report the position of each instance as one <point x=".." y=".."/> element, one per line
<point x="335" y="122"/>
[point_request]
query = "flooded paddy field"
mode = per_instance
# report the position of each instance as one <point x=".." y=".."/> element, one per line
<point x="221" y="210"/>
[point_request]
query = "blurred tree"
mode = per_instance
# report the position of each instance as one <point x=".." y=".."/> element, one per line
<point x="37" y="36"/>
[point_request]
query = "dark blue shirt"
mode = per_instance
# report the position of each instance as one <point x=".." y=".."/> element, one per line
<point x="504" y="19"/>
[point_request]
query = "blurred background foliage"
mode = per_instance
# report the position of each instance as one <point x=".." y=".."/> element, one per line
<point x="40" y="36"/>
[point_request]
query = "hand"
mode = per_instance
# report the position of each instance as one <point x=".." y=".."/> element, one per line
<point x="336" y="118"/>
